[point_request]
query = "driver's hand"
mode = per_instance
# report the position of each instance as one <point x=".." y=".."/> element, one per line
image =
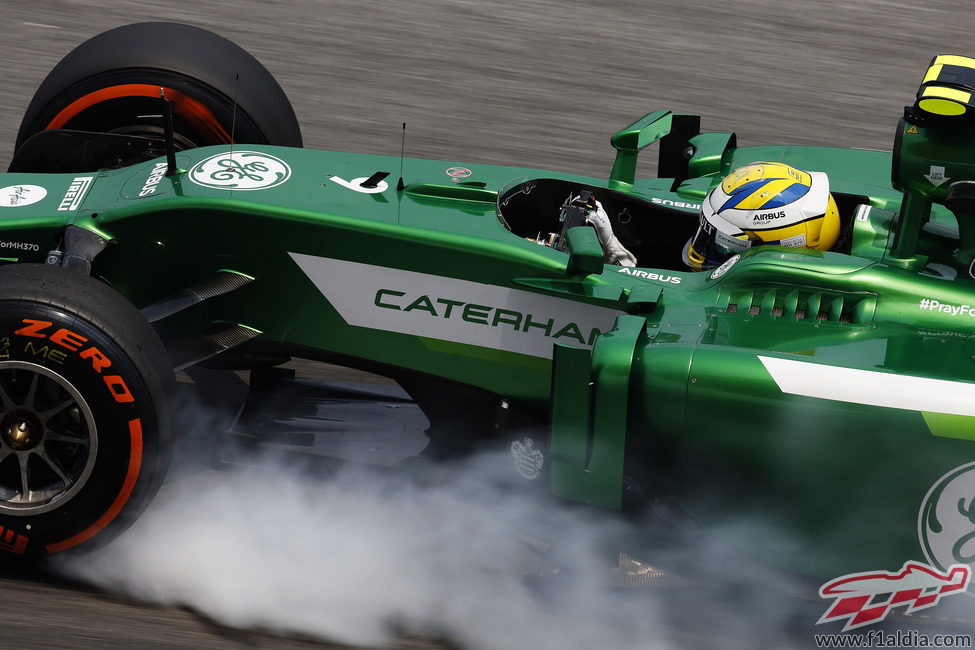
<point x="612" y="248"/>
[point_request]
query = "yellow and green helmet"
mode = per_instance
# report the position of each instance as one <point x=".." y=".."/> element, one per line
<point x="764" y="203"/>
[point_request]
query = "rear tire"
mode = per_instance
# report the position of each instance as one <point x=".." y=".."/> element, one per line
<point x="86" y="391"/>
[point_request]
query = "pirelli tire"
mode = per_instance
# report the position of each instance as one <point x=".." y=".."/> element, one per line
<point x="86" y="390"/>
<point x="111" y="84"/>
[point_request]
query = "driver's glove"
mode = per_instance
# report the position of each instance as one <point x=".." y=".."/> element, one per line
<point x="613" y="250"/>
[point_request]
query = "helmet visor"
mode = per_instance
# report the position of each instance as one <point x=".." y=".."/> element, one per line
<point x="715" y="240"/>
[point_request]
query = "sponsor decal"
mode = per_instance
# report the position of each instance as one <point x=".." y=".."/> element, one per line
<point x="65" y="339"/>
<point x="765" y="217"/>
<point x="650" y="275"/>
<point x="942" y="333"/>
<point x="458" y="172"/>
<point x="866" y="598"/>
<point x="676" y="204"/>
<point x="529" y="460"/>
<point x="356" y="185"/>
<point x="240" y="170"/>
<point x="19" y="246"/>
<point x="731" y="242"/>
<point x="76" y="193"/>
<point x="449" y="309"/>
<point x="17" y="196"/>
<point x="727" y="264"/>
<point x="155" y="177"/>
<point x="929" y="304"/>
<point x="797" y="241"/>
<point x="946" y="520"/>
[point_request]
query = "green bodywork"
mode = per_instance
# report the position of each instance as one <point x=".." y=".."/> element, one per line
<point x="698" y="380"/>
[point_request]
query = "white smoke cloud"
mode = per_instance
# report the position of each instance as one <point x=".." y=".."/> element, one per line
<point x="360" y="557"/>
<point x="449" y="552"/>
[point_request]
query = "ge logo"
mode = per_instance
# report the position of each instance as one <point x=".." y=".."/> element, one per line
<point x="946" y="522"/>
<point x="240" y="170"/>
<point x="721" y="270"/>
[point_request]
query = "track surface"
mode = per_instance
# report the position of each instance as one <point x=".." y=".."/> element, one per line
<point x="527" y="82"/>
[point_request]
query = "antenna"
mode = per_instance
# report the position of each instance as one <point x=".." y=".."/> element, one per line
<point x="233" y="122"/>
<point x="402" y="151"/>
<point x="171" y="167"/>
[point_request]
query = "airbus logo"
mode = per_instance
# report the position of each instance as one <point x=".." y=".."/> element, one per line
<point x="768" y="216"/>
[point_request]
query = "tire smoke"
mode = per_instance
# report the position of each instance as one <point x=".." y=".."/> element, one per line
<point x="458" y="551"/>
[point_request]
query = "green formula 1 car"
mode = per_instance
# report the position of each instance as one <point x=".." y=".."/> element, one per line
<point x="159" y="214"/>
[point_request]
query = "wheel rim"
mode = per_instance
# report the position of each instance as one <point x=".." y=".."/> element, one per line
<point x="48" y="439"/>
<point x="147" y="103"/>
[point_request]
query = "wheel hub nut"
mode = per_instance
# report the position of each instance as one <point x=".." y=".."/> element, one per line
<point x="20" y="431"/>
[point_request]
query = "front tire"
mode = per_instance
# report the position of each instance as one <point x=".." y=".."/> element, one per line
<point x="111" y="84"/>
<point x="86" y="391"/>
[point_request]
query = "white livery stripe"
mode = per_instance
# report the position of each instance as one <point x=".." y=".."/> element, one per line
<point x="873" y="388"/>
<point x="449" y="309"/>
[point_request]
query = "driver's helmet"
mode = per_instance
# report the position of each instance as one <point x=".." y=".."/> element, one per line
<point x="764" y="203"/>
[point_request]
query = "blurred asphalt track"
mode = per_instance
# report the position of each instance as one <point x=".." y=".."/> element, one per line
<point x="539" y="83"/>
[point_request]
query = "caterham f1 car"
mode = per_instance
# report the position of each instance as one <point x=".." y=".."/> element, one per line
<point x="159" y="214"/>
